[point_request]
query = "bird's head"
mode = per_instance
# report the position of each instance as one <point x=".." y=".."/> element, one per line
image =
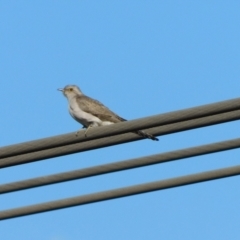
<point x="70" y="91"/>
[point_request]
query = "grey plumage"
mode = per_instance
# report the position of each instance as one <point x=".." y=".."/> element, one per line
<point x="97" y="109"/>
<point x="90" y="112"/>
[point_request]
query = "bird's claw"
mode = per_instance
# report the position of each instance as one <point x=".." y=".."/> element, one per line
<point x="85" y="132"/>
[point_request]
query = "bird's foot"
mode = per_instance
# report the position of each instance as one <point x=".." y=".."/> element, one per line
<point x="76" y="134"/>
<point x="85" y="132"/>
<point x="87" y="129"/>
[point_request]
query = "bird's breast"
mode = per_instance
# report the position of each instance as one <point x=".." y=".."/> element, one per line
<point x="82" y="117"/>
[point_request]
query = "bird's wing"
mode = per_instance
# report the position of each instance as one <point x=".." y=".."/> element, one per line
<point x="97" y="109"/>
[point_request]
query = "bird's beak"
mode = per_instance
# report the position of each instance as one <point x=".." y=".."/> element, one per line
<point x="60" y="89"/>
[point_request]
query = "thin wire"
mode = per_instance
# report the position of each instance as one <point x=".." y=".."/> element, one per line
<point x="129" y="126"/>
<point x="118" y="139"/>
<point x="120" y="166"/>
<point x="120" y="192"/>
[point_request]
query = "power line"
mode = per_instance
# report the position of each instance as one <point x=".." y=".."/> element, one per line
<point x="120" y="166"/>
<point x="66" y="144"/>
<point x="120" y="192"/>
<point x="104" y="142"/>
<point x="129" y="126"/>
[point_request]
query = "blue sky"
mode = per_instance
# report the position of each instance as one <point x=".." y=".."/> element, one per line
<point x="139" y="58"/>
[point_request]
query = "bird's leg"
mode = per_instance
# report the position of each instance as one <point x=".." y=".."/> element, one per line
<point x="79" y="130"/>
<point x="90" y="125"/>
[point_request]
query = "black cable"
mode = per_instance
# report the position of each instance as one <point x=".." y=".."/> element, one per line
<point x="120" y="166"/>
<point x="118" y="139"/>
<point x="119" y="128"/>
<point x="120" y="192"/>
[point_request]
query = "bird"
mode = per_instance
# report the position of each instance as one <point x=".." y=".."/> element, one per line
<point x="92" y="113"/>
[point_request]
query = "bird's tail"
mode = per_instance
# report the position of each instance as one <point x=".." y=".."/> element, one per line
<point x="146" y="135"/>
<point x="141" y="133"/>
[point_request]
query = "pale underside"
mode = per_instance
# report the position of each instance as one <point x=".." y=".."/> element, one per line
<point x="88" y="111"/>
<point x="92" y="113"/>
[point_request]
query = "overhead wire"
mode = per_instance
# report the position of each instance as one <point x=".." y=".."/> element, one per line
<point x="120" y="192"/>
<point x="120" y="128"/>
<point x="161" y="124"/>
<point x="120" y="166"/>
<point x="118" y="139"/>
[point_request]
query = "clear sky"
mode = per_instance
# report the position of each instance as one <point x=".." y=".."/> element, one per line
<point x="139" y="58"/>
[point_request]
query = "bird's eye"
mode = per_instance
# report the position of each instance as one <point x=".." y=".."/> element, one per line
<point x="70" y="89"/>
